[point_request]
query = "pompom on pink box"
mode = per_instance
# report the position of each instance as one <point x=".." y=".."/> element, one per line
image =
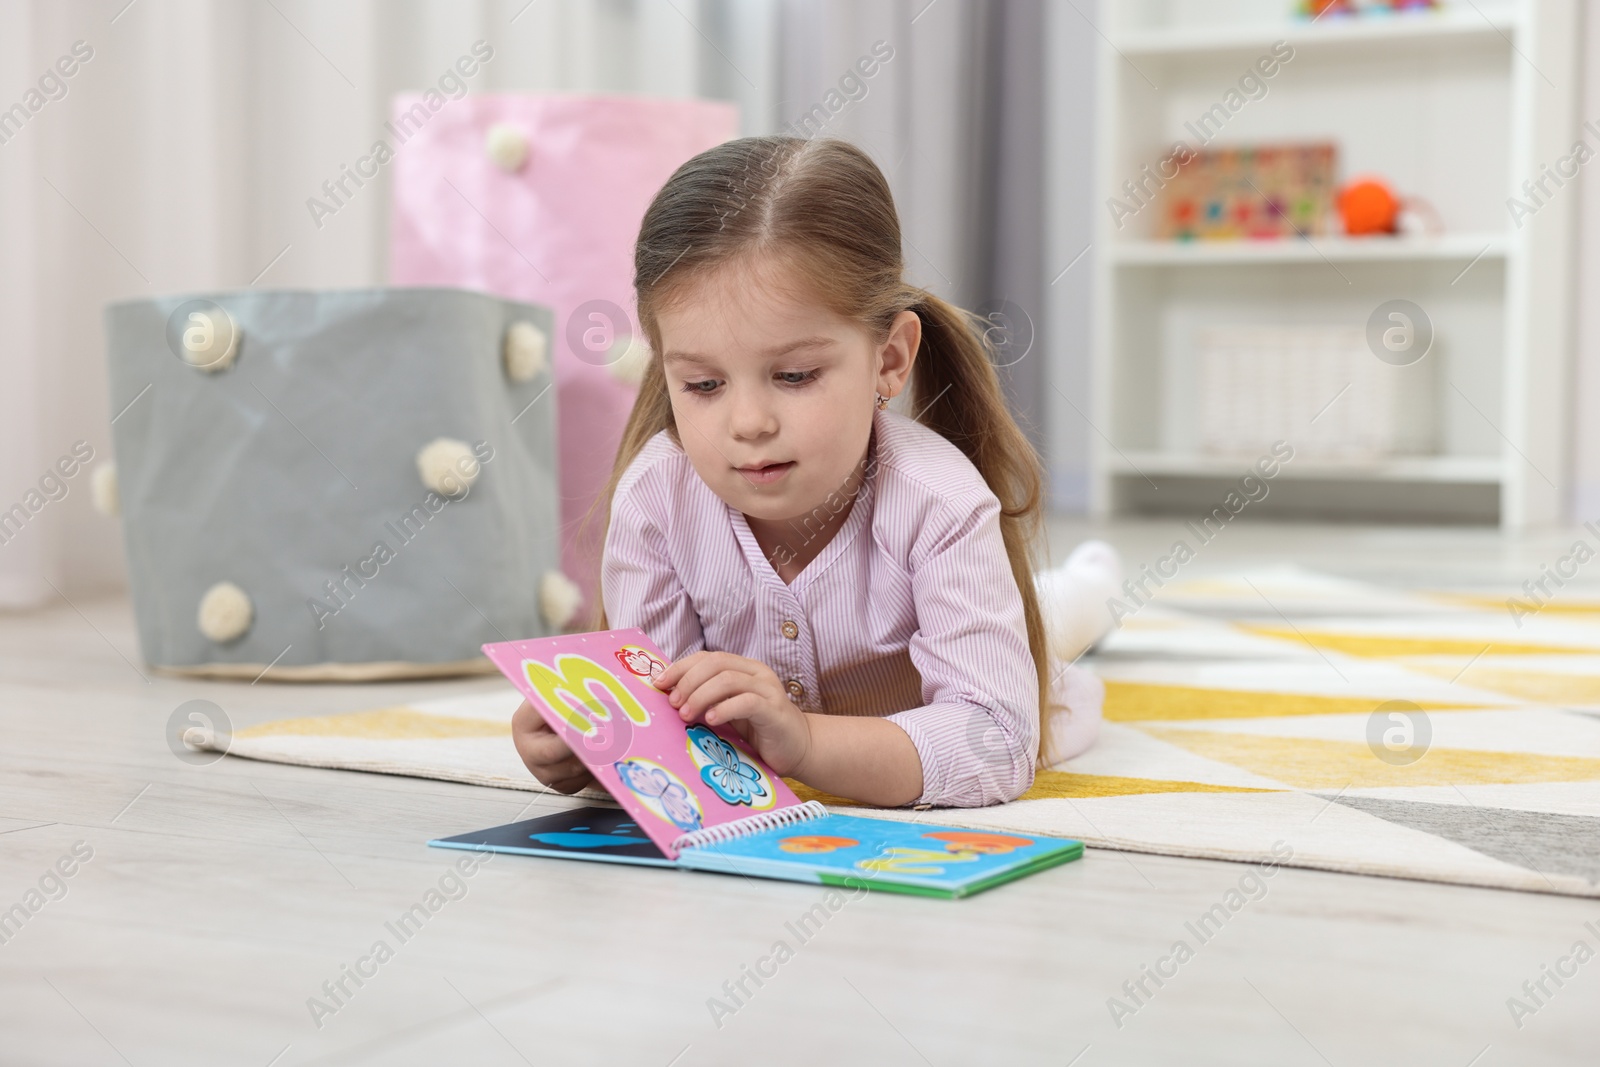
<point x="539" y="199"/>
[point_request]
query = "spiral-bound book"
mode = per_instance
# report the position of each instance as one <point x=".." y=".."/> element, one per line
<point x="698" y="797"/>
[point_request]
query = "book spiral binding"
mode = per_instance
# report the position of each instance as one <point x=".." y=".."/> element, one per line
<point x="755" y="824"/>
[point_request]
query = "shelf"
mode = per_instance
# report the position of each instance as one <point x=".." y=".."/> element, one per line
<point x="1421" y="27"/>
<point x="1463" y="247"/>
<point x="1381" y="87"/>
<point x="1485" y="470"/>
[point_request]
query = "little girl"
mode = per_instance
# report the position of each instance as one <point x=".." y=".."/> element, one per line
<point x="851" y="588"/>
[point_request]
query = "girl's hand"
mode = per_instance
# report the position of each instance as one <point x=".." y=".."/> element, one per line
<point x="546" y="755"/>
<point x="720" y="687"/>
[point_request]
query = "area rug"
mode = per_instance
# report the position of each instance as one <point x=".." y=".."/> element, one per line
<point x="1280" y="716"/>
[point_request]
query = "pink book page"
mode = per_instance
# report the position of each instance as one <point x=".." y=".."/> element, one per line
<point x="673" y="777"/>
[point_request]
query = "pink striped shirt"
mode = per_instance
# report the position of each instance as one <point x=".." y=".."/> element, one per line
<point x="909" y="612"/>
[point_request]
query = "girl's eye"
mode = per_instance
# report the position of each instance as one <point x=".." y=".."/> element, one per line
<point x="796" y="377"/>
<point x="701" y="388"/>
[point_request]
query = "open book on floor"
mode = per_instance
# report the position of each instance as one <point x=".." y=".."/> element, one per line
<point x="697" y="797"/>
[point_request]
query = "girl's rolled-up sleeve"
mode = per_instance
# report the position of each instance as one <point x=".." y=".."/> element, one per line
<point x="977" y="732"/>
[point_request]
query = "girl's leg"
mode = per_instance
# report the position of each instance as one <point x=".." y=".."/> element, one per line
<point x="1076" y="700"/>
<point x="1072" y="598"/>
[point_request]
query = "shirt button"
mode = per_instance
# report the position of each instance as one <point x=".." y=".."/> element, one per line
<point x="790" y="630"/>
<point x="795" y="689"/>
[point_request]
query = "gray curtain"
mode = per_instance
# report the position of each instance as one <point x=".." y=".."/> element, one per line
<point x="957" y="121"/>
<point x="1008" y="204"/>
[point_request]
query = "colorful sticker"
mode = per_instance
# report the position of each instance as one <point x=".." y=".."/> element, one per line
<point x="728" y="772"/>
<point x="639" y="662"/>
<point x="661" y="791"/>
<point x="902" y="860"/>
<point x="987" y="844"/>
<point x="816" y="843"/>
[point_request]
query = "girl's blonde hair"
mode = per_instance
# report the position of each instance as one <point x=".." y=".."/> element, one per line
<point x="823" y="208"/>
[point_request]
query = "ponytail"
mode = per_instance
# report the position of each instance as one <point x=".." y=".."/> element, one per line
<point x="652" y="413"/>
<point x="956" y="393"/>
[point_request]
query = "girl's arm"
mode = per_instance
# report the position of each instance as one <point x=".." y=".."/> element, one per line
<point x="861" y="757"/>
<point x="977" y="729"/>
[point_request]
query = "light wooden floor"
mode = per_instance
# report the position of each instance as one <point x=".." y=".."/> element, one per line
<point x="220" y="898"/>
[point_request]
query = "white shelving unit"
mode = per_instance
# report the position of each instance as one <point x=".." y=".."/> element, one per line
<point x="1465" y="248"/>
<point x="1458" y="106"/>
<point x="1156" y="30"/>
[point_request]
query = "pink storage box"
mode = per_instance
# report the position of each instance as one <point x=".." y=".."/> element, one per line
<point x="558" y="230"/>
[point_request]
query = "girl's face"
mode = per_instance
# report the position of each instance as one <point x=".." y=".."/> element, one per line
<point x="772" y="392"/>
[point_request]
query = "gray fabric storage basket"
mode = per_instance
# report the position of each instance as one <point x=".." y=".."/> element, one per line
<point x="301" y="457"/>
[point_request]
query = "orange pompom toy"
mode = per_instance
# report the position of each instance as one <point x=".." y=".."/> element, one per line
<point x="1368" y="206"/>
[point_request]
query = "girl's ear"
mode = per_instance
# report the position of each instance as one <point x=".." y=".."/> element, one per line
<point x="898" y="352"/>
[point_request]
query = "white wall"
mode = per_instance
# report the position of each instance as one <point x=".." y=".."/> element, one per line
<point x="1585" y="499"/>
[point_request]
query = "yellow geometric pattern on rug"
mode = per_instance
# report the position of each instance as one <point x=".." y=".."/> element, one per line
<point x="1539" y="687"/>
<point x="1384" y="646"/>
<point x="1147" y="702"/>
<point x="383" y="724"/>
<point x="1049" y="785"/>
<point x="1315" y="764"/>
<point x="1064" y="785"/>
<point x="1552" y="607"/>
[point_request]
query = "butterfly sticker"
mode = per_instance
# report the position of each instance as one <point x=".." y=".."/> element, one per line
<point x="640" y="663"/>
<point x="662" y="792"/>
<point x="724" y="768"/>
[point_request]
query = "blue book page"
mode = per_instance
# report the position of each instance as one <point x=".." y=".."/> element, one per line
<point x="907" y="856"/>
<point x="591" y="833"/>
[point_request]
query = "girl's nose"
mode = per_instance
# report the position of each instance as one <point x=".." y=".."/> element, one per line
<point x="751" y="418"/>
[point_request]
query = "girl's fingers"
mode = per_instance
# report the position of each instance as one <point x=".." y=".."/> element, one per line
<point x="525" y="720"/>
<point x="696" y="669"/>
<point x="711" y="665"/>
<point x="530" y="731"/>
<point x="571" y="784"/>
<point x="568" y="763"/>
<point x="545" y="754"/>
<point x="712" y="691"/>
<point x="544" y="747"/>
<point x="552" y="774"/>
<point x="738" y="709"/>
<point x="669" y="677"/>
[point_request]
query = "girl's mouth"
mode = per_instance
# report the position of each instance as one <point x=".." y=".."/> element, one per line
<point x="767" y="475"/>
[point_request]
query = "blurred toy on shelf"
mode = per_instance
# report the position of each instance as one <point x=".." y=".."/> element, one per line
<point x="1369" y="207"/>
<point x="1260" y="191"/>
<point x="1316" y="9"/>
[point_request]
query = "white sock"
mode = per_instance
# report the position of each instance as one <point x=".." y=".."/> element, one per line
<point x="1072" y="598"/>
<point x="1076" y="700"/>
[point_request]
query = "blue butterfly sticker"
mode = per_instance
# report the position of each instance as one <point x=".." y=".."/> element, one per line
<point x="729" y="774"/>
<point x="656" y="784"/>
